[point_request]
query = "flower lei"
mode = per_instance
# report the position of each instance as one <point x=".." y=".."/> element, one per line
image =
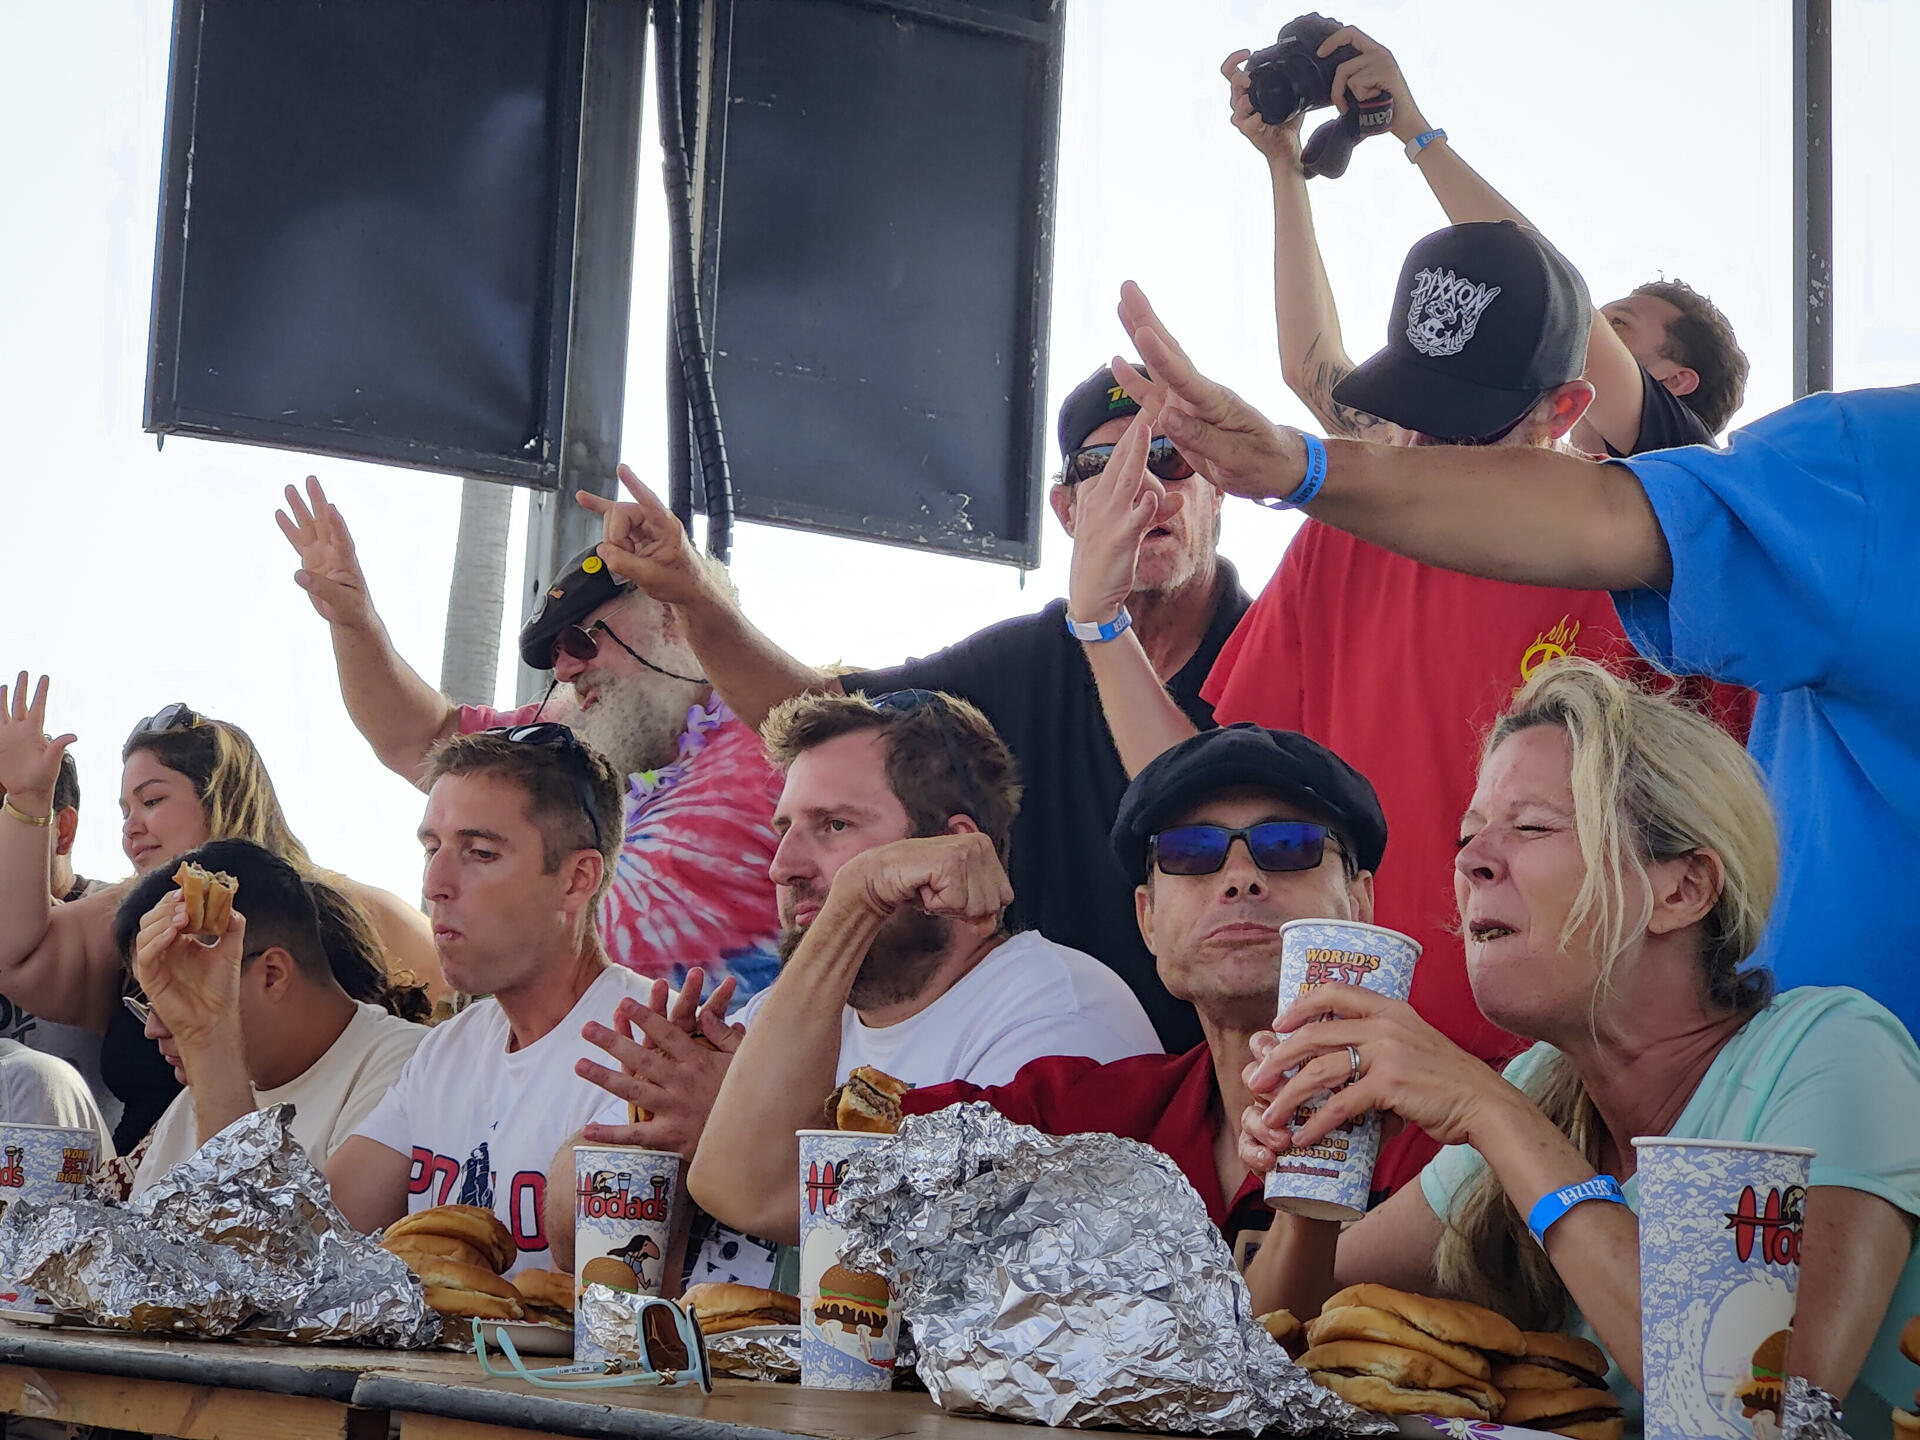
<point x="702" y="722"/>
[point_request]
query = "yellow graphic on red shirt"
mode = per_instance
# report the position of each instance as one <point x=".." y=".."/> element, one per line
<point x="1549" y="645"/>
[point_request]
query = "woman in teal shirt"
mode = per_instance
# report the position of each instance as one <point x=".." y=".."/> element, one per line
<point x="1616" y="867"/>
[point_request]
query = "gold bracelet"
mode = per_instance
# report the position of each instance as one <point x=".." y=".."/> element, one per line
<point x="39" y="821"/>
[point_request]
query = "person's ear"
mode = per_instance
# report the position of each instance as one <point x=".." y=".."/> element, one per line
<point x="66" y="824"/>
<point x="274" y="971"/>
<point x="1360" y="896"/>
<point x="1685" y="890"/>
<point x="1566" y="405"/>
<point x="962" y="825"/>
<point x="583" y="876"/>
<point x="1683" y="381"/>
<point x="1060" y="497"/>
<point x="1143" y="914"/>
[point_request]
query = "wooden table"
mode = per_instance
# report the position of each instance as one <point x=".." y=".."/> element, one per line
<point x="226" y="1390"/>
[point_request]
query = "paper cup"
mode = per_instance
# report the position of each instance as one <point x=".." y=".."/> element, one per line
<point x="848" y="1321"/>
<point x="1719" y="1267"/>
<point x="42" y="1163"/>
<point x="628" y="1225"/>
<point x="1331" y="1180"/>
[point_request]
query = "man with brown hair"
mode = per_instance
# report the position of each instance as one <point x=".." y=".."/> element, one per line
<point x="895" y="825"/>
<point x="521" y="831"/>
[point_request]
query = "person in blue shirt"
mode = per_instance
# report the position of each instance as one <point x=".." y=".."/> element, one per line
<point x="1784" y="563"/>
<point x="1615" y="871"/>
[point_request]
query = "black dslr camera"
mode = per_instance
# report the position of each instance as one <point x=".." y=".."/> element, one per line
<point x="1289" y="78"/>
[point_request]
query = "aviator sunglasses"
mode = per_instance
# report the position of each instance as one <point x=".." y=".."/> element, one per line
<point x="1276" y="845"/>
<point x="582" y="644"/>
<point x="1163" y="461"/>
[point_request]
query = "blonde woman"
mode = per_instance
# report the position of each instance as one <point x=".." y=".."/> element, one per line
<point x="1616" y="867"/>
<point x="187" y="779"/>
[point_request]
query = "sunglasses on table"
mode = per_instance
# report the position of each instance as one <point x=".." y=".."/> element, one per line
<point x="672" y="1352"/>
<point x="582" y="644"/>
<point x="177" y="716"/>
<point x="1163" y="462"/>
<point x="552" y="735"/>
<point x="1276" y="846"/>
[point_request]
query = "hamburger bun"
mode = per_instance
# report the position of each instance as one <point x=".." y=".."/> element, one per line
<point x="854" y="1299"/>
<point x="475" y="1224"/>
<point x="469" y="1291"/>
<point x="869" y="1101"/>
<point x="1282" y="1326"/>
<point x="1454" y="1321"/>
<point x="1399" y="1382"/>
<point x="413" y="1248"/>
<point x="1578" y="1413"/>
<point x="720" y="1307"/>
<point x="547" y="1294"/>
<point x="614" y="1274"/>
<point x="209" y="896"/>
<point x="1910" y="1340"/>
<point x="1554" y="1362"/>
<point x="1363" y="1322"/>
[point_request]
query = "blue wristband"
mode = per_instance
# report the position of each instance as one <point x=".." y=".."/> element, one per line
<point x="1420" y="142"/>
<point x="1309" y="487"/>
<point x="1098" y="634"/>
<point x="1555" y="1203"/>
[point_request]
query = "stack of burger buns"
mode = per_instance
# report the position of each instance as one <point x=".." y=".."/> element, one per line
<point x="1397" y="1353"/>
<point x="458" y="1251"/>
<point x="1559" y="1383"/>
<point x="720" y="1306"/>
<point x="1906" y="1423"/>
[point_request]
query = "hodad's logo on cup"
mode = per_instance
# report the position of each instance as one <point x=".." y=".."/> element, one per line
<point x="43" y="1164"/>
<point x="848" y="1322"/>
<point x="628" y="1225"/>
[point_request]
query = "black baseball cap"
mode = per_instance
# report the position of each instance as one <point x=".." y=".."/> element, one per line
<point x="1488" y="318"/>
<point x="1251" y="756"/>
<point x="579" y="590"/>
<point x="1094" y="401"/>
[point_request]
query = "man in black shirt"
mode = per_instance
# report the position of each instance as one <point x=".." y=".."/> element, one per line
<point x="1028" y="675"/>
<point x="1663" y="362"/>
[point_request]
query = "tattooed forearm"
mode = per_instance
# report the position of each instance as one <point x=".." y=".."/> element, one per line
<point x="1340" y="419"/>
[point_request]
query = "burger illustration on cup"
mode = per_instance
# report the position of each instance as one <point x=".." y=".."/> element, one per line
<point x="857" y="1302"/>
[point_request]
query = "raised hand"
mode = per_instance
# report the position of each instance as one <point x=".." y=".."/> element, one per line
<point x="643" y="541"/>
<point x="29" y="760"/>
<point x="1279" y="143"/>
<point x="1112" y="513"/>
<point x="957" y="877"/>
<point x="329" y="569"/>
<point x="1232" y="444"/>
<point x="664" y="1072"/>
<point x="1372" y="72"/>
<point x="194" y="988"/>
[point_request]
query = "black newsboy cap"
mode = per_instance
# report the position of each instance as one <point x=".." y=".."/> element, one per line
<point x="576" y="592"/>
<point x="1252" y="757"/>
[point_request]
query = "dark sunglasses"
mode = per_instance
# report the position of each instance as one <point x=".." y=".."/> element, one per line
<point x="906" y="702"/>
<point x="1275" y="846"/>
<point x="177" y="716"/>
<point x="1163" y="461"/>
<point x="581" y="644"/>
<point x="552" y="735"/>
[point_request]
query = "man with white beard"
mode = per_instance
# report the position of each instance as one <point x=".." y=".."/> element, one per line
<point x="691" y="887"/>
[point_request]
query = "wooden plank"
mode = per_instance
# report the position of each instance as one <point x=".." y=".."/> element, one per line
<point x="438" y="1427"/>
<point x="192" y="1412"/>
<point x="325" y="1372"/>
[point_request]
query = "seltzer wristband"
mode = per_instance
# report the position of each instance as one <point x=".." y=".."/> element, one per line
<point x="1099" y="634"/>
<point x="1418" y="144"/>
<point x="1310" y="486"/>
<point x="1555" y="1203"/>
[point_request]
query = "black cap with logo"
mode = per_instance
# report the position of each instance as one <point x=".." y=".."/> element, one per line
<point x="579" y="590"/>
<point x="1488" y="318"/>
<point x="1252" y="757"/>
<point x="1094" y="401"/>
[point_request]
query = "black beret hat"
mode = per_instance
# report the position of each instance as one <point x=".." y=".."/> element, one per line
<point x="579" y="590"/>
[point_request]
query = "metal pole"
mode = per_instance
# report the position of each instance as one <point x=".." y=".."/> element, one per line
<point x="613" y="91"/>
<point x="1812" y="196"/>
<point x="477" y="597"/>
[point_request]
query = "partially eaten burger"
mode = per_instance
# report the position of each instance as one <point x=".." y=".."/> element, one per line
<point x="209" y="897"/>
<point x="869" y="1101"/>
<point x="547" y="1296"/>
<point x="721" y="1306"/>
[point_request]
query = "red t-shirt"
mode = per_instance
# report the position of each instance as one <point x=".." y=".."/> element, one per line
<point x="1401" y="669"/>
<point x="1170" y="1102"/>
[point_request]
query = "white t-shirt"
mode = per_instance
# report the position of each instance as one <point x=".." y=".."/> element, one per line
<point x="330" y="1097"/>
<point x="481" y="1123"/>
<point x="1028" y="998"/>
<point x="37" y="1089"/>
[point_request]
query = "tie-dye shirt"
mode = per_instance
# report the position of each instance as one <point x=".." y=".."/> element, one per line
<point x="691" y="887"/>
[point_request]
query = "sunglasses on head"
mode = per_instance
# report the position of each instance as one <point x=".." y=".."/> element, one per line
<point x="177" y="716"/>
<point x="906" y="702"/>
<point x="1276" y="845"/>
<point x="1163" y="462"/>
<point x="581" y="643"/>
<point x="552" y="735"/>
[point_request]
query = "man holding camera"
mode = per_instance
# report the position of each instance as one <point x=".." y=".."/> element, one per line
<point x="1397" y="667"/>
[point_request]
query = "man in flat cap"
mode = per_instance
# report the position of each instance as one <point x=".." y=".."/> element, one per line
<point x="690" y="888"/>
<point x="1226" y="837"/>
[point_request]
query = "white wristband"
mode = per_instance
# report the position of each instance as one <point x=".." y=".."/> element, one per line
<point x="1418" y="144"/>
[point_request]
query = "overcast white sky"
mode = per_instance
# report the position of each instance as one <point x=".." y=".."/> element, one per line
<point x="1645" y="137"/>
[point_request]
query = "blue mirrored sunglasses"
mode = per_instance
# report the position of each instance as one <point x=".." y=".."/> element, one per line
<point x="1275" y="845"/>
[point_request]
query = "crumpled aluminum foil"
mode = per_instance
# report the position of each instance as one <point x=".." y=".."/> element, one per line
<point x="1809" y="1413"/>
<point x="765" y="1352"/>
<point x="1070" y="1280"/>
<point x="240" y="1239"/>
<point x="613" y="1319"/>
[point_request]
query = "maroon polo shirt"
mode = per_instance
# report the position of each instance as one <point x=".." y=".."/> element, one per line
<point x="1167" y="1101"/>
